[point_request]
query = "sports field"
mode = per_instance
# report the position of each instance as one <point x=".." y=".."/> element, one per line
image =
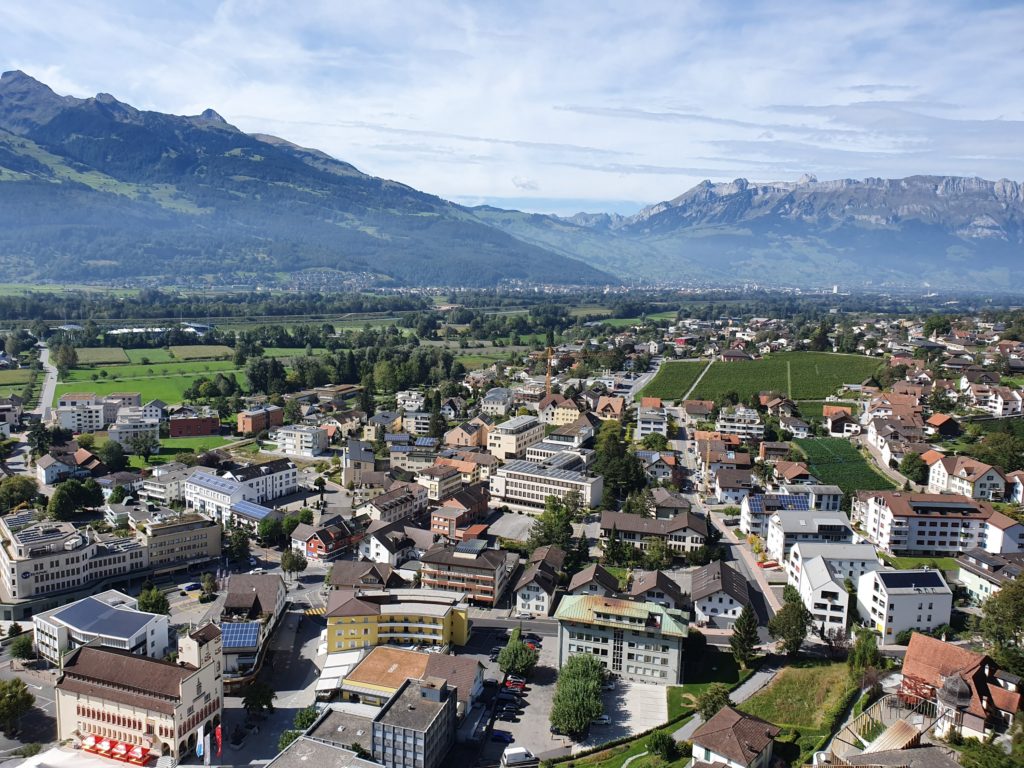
<point x="674" y="379"/>
<point x="836" y="461"/>
<point x="801" y="375"/>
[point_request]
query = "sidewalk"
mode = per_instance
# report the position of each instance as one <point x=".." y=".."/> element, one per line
<point x="769" y="668"/>
<point x="759" y="575"/>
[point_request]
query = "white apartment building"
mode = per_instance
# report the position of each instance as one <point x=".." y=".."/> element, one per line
<point x="719" y="594"/>
<point x="440" y="481"/>
<point x="111" y="619"/>
<point x="302" y="440"/>
<point x="638" y="641"/>
<point x="130" y="425"/>
<point x="212" y="496"/>
<point x="402" y="501"/>
<point x="983" y="574"/>
<point x="267" y="481"/>
<point x="786" y="528"/>
<point x="651" y="421"/>
<point x="526" y="485"/>
<point x="824" y="497"/>
<point x="510" y="439"/>
<point x="847" y="561"/>
<point x="965" y="476"/>
<point x="166" y="483"/>
<point x="87" y="412"/>
<point x="742" y="421"/>
<point x="410" y="400"/>
<point x="416" y="422"/>
<point x="894" y="601"/>
<point x="756" y="510"/>
<point x="934" y="524"/>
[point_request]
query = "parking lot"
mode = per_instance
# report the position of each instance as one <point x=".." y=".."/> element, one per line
<point x="633" y="708"/>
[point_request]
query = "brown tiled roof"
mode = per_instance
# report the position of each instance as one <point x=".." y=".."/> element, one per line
<point x="106" y="673"/>
<point x="343" y="602"/>
<point x="648" y="526"/>
<point x="645" y="581"/>
<point x="719" y="577"/>
<point x="459" y="671"/>
<point x="539" y="574"/>
<point x="597" y="573"/>
<point x="931" y="661"/>
<point x="735" y="735"/>
<point x="206" y="633"/>
<point x="903" y="504"/>
<point x="552" y="554"/>
<point x="349" y="574"/>
<point x="256" y="593"/>
<point x="965" y="466"/>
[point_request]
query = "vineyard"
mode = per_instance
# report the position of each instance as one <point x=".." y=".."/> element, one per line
<point x="801" y="375"/>
<point x="835" y="461"/>
<point x="674" y="379"/>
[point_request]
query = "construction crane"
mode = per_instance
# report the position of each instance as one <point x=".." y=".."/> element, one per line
<point x="547" y="381"/>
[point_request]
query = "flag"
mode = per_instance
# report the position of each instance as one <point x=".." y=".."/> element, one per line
<point x="199" y="743"/>
<point x="217" y="735"/>
<point x="206" y="749"/>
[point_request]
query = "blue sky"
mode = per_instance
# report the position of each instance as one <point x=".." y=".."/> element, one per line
<point x="563" y="106"/>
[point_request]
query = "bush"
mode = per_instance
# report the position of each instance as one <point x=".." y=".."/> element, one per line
<point x="660" y="743"/>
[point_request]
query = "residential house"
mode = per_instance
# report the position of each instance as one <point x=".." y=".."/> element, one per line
<point x="756" y="510"/>
<point x="510" y="440"/>
<point x="404" y="500"/>
<point x="610" y="407"/>
<point x="440" y="481"/>
<point x="557" y="410"/>
<point x="322" y="543"/>
<point x="497" y="402"/>
<point x="942" y="425"/>
<point x="683" y="533"/>
<point x="894" y="601"/>
<point x="470" y="434"/>
<point x="734" y="739"/>
<point x="964" y="476"/>
<point x="797" y="427"/>
<point x="256" y="420"/>
<point x="394" y="543"/>
<point x="719" y="593"/>
<point x="302" y="440"/>
<point x="361" y="576"/>
<point x="819" y="572"/>
<point x="651" y="421"/>
<point x="695" y="411"/>
<point x="595" y="579"/>
<point x="255" y="603"/>
<point x="468" y="567"/>
<point x="535" y="591"/>
<point x="786" y="527"/>
<point x="657" y="587"/>
<point x="668" y="503"/>
<point x="827" y="498"/>
<point x="732" y="485"/>
<point x="983" y="574"/>
<point x="458" y="511"/>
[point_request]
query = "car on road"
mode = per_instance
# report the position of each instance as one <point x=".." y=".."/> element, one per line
<point x="601" y="720"/>
<point x="524" y="615"/>
<point x="533" y="637"/>
<point x="503" y="736"/>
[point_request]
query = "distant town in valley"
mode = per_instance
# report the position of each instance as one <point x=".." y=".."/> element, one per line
<point x="508" y="527"/>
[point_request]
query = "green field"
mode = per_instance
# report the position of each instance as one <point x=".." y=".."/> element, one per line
<point x="13" y="382"/>
<point x="801" y="375"/>
<point x="674" y="379"/>
<point x="157" y="370"/>
<point x="169" y="388"/>
<point x="712" y="667"/>
<point x="836" y="461"/>
<point x="292" y="351"/>
<point x="169" y="446"/>
<point x="158" y="355"/>
<point x="202" y="352"/>
<point x="101" y="356"/>
<point x="811" y="409"/>
<point x="473" y="362"/>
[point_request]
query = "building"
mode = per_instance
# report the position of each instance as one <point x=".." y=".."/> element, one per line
<point x="819" y="572"/>
<point x="460" y="510"/>
<point x="983" y="574"/>
<point x="847" y="561"/>
<point x="440" y="481"/>
<point x="365" y="618"/>
<point x="213" y="495"/>
<point x="669" y="504"/>
<point x="165" y="483"/>
<point x="657" y="587"/>
<point x="734" y="739"/>
<point x="194" y="422"/>
<point x="132" y="426"/>
<point x="267" y="481"/>
<point x="964" y="476"/>
<point x="719" y="594"/>
<point x="87" y="412"/>
<point x="416" y="422"/>
<point x="256" y="420"/>
<point x="741" y="421"/>
<point x="110" y="619"/>
<point x="526" y="485"/>
<point x="756" y="510"/>
<point x="394" y="543"/>
<point x="638" y="641"/>
<point x="497" y="402"/>
<point x="536" y="588"/>
<point x="113" y="702"/>
<point x="174" y="540"/>
<point x="302" y="440"/>
<point x="404" y="500"/>
<point x="895" y="601"/>
<point x="416" y="728"/>
<point x="926" y="523"/>
<point x="986" y="697"/>
<point x="595" y="579"/>
<point x="787" y="527"/>
<point x="826" y="498"/>
<point x="733" y="485"/>
<point x="252" y="607"/>
<point x="509" y="440"/>
<point x="683" y="533"/>
<point x="324" y="543"/>
<point x="471" y="434"/>
<point x="410" y="400"/>
<point x="467" y="567"/>
<point x="557" y="410"/>
<point x="651" y="421"/>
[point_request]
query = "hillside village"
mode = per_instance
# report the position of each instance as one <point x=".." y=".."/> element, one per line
<point x="629" y="539"/>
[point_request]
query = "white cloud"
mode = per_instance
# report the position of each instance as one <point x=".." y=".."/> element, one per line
<point x="569" y="101"/>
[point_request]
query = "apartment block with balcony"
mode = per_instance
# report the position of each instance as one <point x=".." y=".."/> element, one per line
<point x="895" y="601"/>
<point x="256" y="420"/>
<point x="639" y="641"/>
<point x="370" y="617"/>
<point x="131" y="425"/>
<point x="510" y="439"/>
<point x="741" y="421"/>
<point x="440" y="481"/>
<point x="470" y="567"/>
<point x="302" y="440"/>
<point x="964" y="476"/>
<point x="786" y="528"/>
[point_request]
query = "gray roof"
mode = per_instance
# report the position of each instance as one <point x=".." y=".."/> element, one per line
<point x="408" y="709"/>
<point x="647" y="526"/>
<point x="716" y="577"/>
<point x="835" y="551"/>
<point x="96" y="617"/>
<point x="304" y="752"/>
<point x="800" y="521"/>
<point x="921" y="757"/>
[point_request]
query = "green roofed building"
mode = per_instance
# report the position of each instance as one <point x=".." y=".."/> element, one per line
<point x="634" y="640"/>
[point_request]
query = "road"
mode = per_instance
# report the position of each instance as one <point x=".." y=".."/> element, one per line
<point x="882" y="467"/>
<point x="644" y="379"/>
<point x="49" y="385"/>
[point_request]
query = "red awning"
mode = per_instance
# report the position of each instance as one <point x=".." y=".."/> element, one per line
<point x="119" y="750"/>
<point x="138" y="755"/>
<point x="104" y="746"/>
<point x="90" y="741"/>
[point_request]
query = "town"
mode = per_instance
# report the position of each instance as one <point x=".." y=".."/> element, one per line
<point x="718" y="531"/>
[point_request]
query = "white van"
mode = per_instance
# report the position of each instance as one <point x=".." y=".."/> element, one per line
<point x="516" y="756"/>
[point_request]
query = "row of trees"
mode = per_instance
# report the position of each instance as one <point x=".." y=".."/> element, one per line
<point x="577" y="699"/>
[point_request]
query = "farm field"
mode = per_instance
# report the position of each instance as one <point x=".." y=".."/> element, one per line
<point x="796" y="700"/>
<point x="801" y="375"/>
<point x="157" y="370"/>
<point x="157" y="355"/>
<point x="166" y="388"/>
<point x="835" y="461"/>
<point x="12" y="382"/>
<point x="101" y="356"/>
<point x="472" y="362"/>
<point x="674" y="379"/>
<point x="292" y="351"/>
<point x="202" y="352"/>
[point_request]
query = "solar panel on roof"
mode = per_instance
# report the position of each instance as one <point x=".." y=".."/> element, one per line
<point x="240" y="635"/>
<point x="472" y="547"/>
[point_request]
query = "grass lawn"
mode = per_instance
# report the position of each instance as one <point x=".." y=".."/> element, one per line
<point x="801" y="375"/>
<point x="811" y="409"/>
<point x="906" y="563"/>
<point x="158" y="355"/>
<point x="101" y="356"/>
<point x="157" y="370"/>
<point x="622" y="574"/>
<point x="674" y="379"/>
<point x="615" y="757"/>
<point x="20" y="376"/>
<point x="173" y="445"/>
<point x="713" y="667"/>
<point x="202" y="352"/>
<point x="292" y="351"/>
<point x="166" y="388"/>
<point x="472" y="362"/>
<point x="836" y="461"/>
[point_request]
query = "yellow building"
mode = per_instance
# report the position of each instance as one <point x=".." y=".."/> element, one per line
<point x="398" y="616"/>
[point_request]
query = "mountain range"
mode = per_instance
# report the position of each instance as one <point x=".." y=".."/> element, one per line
<point x="95" y="190"/>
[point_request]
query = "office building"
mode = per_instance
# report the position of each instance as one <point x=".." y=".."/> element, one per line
<point x="526" y="485"/>
<point x="512" y="438"/>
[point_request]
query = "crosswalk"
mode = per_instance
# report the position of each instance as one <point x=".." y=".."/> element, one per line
<point x="316" y="611"/>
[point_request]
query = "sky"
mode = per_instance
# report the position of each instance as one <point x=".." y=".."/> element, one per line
<point x="563" y="106"/>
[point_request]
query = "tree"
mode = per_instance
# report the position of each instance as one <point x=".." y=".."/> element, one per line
<point x="655" y="442"/>
<point x="152" y="600"/>
<point x="320" y="483"/>
<point x="306" y="516"/>
<point x="286" y="738"/>
<point x="913" y="468"/>
<point x="39" y="438"/>
<point x="86" y="440"/>
<point x="112" y="454"/>
<point x="661" y="744"/>
<point x="269" y="530"/>
<point x="790" y="626"/>
<point x="714" y="697"/>
<point x="91" y="495"/>
<point x="63" y="502"/>
<point x="1002" y="624"/>
<point x="577" y="557"/>
<point x="64" y="358"/>
<point x="305" y="717"/>
<point x="863" y="655"/>
<point x="22" y="647"/>
<point x="238" y="545"/>
<point x="143" y="444"/>
<point x="657" y="556"/>
<point x="292" y="411"/>
<point x="288" y="526"/>
<point x="577" y="698"/>
<point x="293" y="561"/>
<point x="258" y="696"/>
<point x="744" y="637"/>
<point x="209" y="582"/>
<point x="517" y="658"/>
<point x="552" y="526"/>
<point x="790" y="594"/>
<point x="15" y="702"/>
<point x="119" y="494"/>
<point x="16" y="490"/>
<point x="977" y="754"/>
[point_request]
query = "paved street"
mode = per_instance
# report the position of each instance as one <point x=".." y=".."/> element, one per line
<point x="49" y="385"/>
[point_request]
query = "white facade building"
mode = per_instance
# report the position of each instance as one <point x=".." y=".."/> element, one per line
<point x="302" y="440"/>
<point x="894" y="601"/>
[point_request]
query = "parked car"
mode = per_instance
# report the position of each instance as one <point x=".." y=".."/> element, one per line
<point x="533" y="637"/>
<point x="503" y="736"/>
<point x="516" y="679"/>
<point x="601" y="720"/>
<point x="524" y="615"/>
<point x="515" y="686"/>
<point x="508" y="717"/>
